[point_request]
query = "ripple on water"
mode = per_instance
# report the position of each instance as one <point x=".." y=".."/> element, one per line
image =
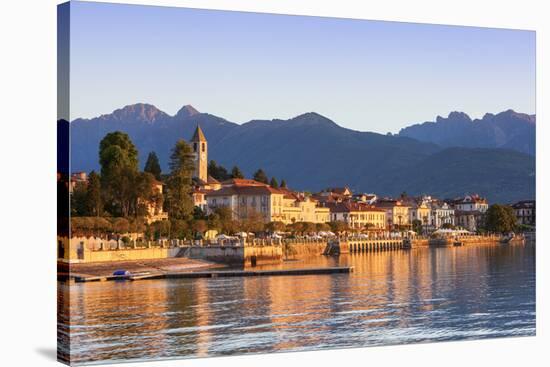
<point x="392" y="298"/>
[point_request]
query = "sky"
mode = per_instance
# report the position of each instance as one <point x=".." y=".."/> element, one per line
<point x="364" y="75"/>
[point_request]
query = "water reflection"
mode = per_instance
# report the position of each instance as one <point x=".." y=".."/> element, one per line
<point x="392" y="297"/>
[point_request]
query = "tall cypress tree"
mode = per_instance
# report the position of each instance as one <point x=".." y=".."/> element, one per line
<point x="152" y="165"/>
<point x="260" y="176"/>
<point x="236" y="172"/>
<point x="273" y="183"/>
<point x="94" y="202"/>
<point x="179" y="184"/>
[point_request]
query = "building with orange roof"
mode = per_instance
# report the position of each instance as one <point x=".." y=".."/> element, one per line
<point x="397" y="213"/>
<point x="358" y="215"/>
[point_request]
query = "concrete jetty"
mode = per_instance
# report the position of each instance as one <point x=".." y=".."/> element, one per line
<point x="217" y="274"/>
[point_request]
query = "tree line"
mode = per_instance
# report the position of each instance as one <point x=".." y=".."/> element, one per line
<point x="118" y="197"/>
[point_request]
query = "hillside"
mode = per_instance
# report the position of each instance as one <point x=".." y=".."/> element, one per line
<point x="507" y="129"/>
<point x="312" y="152"/>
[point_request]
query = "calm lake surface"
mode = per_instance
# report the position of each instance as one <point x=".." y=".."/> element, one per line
<point x="393" y="297"/>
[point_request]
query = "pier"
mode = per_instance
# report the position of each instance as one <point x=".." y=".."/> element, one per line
<point x="217" y="274"/>
<point x="350" y="246"/>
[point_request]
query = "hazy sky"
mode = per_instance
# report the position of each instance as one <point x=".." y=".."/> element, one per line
<point x="365" y="75"/>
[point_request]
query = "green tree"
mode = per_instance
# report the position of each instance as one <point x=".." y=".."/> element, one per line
<point x="273" y="183"/>
<point x="236" y="172"/>
<point x="500" y="219"/>
<point x="283" y="184"/>
<point x="163" y="229"/>
<point x="309" y="227"/>
<point x="217" y="171"/>
<point x="119" y="167"/>
<point x="199" y="227"/>
<point x="222" y="220"/>
<point x="117" y="150"/>
<point x="144" y="194"/>
<point x="260" y="176"/>
<point x="179" y="183"/>
<point x="79" y="205"/>
<point x="417" y="226"/>
<point x="339" y="227"/>
<point x="253" y="223"/>
<point x="276" y="226"/>
<point x="94" y="201"/>
<point x="152" y="165"/>
<point x="322" y="227"/>
<point x="179" y="229"/>
<point x="198" y="213"/>
<point x="120" y="225"/>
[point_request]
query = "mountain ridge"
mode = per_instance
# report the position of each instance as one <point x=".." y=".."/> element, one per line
<point x="310" y="151"/>
<point x="506" y="129"/>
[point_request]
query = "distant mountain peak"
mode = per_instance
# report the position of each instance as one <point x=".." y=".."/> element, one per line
<point x="187" y="111"/>
<point x="313" y="118"/>
<point x="142" y="112"/>
<point x="506" y="129"/>
<point x="455" y="116"/>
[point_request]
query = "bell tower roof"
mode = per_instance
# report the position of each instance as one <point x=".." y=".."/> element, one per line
<point x="198" y="135"/>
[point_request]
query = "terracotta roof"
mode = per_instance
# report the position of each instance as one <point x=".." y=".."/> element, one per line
<point x="352" y="207"/>
<point x="243" y="182"/>
<point x="474" y="198"/>
<point x="389" y="204"/>
<point x="212" y="180"/>
<point x="197" y="181"/>
<point x="338" y="190"/>
<point x="328" y="197"/>
<point x="245" y="190"/>
<point x="198" y="135"/>
<point x="201" y="191"/>
<point x="524" y="204"/>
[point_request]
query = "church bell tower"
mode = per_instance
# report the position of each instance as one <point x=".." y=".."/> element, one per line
<point x="200" y="150"/>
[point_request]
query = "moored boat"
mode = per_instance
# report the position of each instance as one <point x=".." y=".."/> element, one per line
<point x="512" y="238"/>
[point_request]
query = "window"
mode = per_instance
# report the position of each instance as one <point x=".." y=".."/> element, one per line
<point x="195" y="147"/>
<point x="203" y="147"/>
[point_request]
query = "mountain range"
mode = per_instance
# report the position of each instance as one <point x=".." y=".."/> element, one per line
<point x="507" y="129"/>
<point x="312" y="152"/>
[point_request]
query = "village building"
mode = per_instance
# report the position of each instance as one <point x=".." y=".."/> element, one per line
<point x="471" y="203"/>
<point x="298" y="207"/>
<point x="420" y="211"/>
<point x="154" y="207"/>
<point x="77" y="178"/>
<point x="397" y="213"/>
<point x="247" y="198"/>
<point x="470" y="220"/>
<point x="333" y="195"/>
<point x="441" y="213"/>
<point x="470" y="212"/>
<point x="358" y="215"/>
<point x="525" y="212"/>
<point x="247" y="201"/>
<point x="369" y="199"/>
<point x="200" y="153"/>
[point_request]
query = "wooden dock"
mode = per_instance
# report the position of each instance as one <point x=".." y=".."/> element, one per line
<point x="217" y="274"/>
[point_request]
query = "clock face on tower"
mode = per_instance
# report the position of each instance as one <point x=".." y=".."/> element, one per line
<point x="203" y="156"/>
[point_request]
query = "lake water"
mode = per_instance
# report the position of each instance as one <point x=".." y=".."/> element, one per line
<point x="393" y="297"/>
